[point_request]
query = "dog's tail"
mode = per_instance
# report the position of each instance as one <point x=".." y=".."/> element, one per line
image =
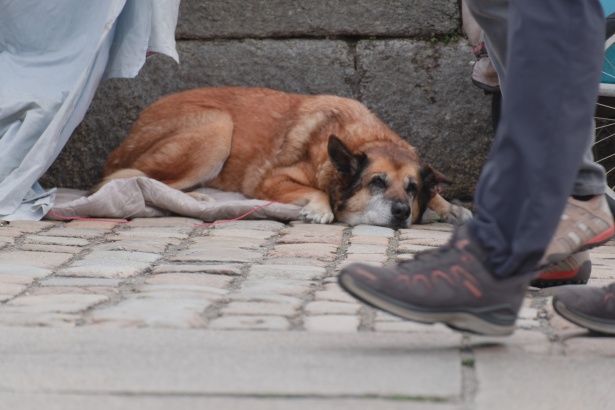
<point x="119" y="174"/>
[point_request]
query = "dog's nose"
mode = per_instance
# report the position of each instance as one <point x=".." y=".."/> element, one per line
<point x="400" y="211"/>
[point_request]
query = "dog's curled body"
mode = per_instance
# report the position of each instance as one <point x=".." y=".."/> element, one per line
<point x="329" y="154"/>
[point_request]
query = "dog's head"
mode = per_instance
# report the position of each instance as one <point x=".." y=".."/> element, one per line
<point x="385" y="184"/>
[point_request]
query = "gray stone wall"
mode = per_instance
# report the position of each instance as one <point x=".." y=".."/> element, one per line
<point x="404" y="59"/>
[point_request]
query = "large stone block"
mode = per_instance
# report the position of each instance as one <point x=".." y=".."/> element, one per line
<point x="302" y="66"/>
<point x="423" y="91"/>
<point x="293" y="18"/>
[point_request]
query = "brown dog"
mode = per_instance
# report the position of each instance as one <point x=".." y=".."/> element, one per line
<point x="329" y="154"/>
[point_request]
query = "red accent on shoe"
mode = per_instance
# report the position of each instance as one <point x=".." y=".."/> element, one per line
<point x="559" y="274"/>
<point x="604" y="236"/>
<point x="473" y="289"/>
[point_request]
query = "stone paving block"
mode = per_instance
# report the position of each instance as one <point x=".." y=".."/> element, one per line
<point x="59" y="303"/>
<point x="230" y="270"/>
<point x="363" y="249"/>
<point x="106" y="225"/>
<point x="55" y="240"/>
<point x="410" y="327"/>
<point x="331" y="323"/>
<point x="266" y="297"/>
<point x="234" y="242"/>
<point x="121" y="238"/>
<point x="286" y="272"/>
<point x="116" y="258"/>
<point x="588" y="344"/>
<point x="171" y="221"/>
<point x="402" y="257"/>
<point x="242" y="233"/>
<point x="8" y="233"/>
<point x="377" y="261"/>
<point x="371" y="230"/>
<point x="196" y="279"/>
<point x="432" y="242"/>
<point x="76" y="401"/>
<point x="299" y="238"/>
<point x="11" y="289"/>
<point x="29" y="226"/>
<point x="367" y="257"/>
<point x="21" y="274"/>
<point x="136" y="245"/>
<point x="288" y="287"/>
<point x="577" y="381"/>
<point x="158" y="232"/>
<point x="319" y="251"/>
<point x="51" y="248"/>
<point x="258" y="225"/>
<point x="5" y="241"/>
<point x="259" y="309"/>
<point x="39" y="319"/>
<point x="153" y="312"/>
<point x="310" y="229"/>
<point x="221" y="255"/>
<point x="369" y="240"/>
<point x="295" y="261"/>
<point x="102" y="271"/>
<point x="87" y="233"/>
<point x="48" y="260"/>
<point x="110" y="291"/>
<point x="80" y="282"/>
<point x="334" y="296"/>
<point x="179" y="291"/>
<point x="415" y="233"/>
<point x="250" y="323"/>
<point x="522" y="341"/>
<point x="408" y="248"/>
<point x="331" y="308"/>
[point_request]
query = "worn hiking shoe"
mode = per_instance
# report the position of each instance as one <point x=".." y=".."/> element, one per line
<point x="451" y="285"/>
<point x="584" y="225"/>
<point x="589" y="307"/>
<point x="575" y="269"/>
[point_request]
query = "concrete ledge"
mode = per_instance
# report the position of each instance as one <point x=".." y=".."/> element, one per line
<point x="292" y="18"/>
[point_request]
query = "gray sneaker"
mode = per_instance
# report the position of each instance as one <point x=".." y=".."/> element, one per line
<point x="450" y="285"/>
<point x="591" y="308"/>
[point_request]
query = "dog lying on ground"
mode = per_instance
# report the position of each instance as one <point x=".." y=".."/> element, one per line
<point x="329" y="154"/>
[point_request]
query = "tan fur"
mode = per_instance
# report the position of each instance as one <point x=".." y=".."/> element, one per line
<point x="268" y="145"/>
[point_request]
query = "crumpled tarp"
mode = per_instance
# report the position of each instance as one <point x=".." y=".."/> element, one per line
<point x="53" y="55"/>
<point x="142" y="197"/>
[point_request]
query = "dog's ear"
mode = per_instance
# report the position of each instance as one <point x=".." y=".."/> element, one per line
<point x="347" y="163"/>
<point x="432" y="179"/>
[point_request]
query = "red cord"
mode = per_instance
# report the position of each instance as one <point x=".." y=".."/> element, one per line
<point x="238" y="218"/>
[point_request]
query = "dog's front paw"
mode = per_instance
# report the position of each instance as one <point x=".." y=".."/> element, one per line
<point x="457" y="214"/>
<point x="317" y="214"/>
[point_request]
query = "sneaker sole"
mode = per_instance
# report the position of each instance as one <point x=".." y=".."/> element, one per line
<point x="469" y="321"/>
<point x="582" y="320"/>
<point x="577" y="277"/>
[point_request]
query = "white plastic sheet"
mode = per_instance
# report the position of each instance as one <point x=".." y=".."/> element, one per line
<point x="53" y="55"/>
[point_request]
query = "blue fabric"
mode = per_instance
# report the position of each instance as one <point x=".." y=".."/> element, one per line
<point x="53" y="55"/>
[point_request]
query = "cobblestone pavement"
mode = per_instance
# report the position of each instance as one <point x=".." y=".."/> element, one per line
<point x="173" y="273"/>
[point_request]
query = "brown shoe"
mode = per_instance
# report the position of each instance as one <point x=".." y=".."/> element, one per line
<point x="584" y="225"/>
<point x="450" y="285"/>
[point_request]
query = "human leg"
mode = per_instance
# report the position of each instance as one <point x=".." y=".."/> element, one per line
<point x="524" y="185"/>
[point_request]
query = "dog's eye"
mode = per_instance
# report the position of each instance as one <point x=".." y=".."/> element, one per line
<point x="379" y="181"/>
<point x="412" y="188"/>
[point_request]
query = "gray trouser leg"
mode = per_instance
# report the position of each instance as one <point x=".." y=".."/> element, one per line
<point x="492" y="16"/>
<point x="551" y="61"/>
